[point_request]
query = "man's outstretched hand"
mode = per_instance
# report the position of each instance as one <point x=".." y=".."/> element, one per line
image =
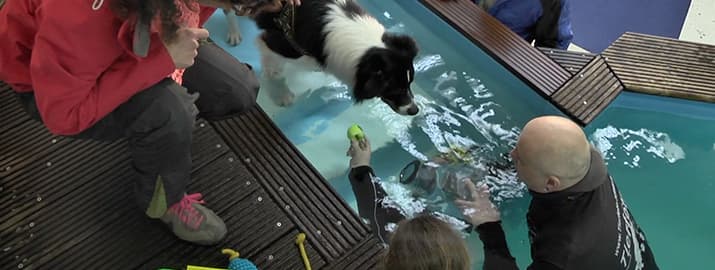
<point x="479" y="209"/>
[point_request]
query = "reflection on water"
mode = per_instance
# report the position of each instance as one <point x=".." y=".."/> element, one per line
<point x="462" y="126"/>
<point x="629" y="145"/>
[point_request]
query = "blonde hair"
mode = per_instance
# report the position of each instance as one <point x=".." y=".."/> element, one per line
<point x="426" y="243"/>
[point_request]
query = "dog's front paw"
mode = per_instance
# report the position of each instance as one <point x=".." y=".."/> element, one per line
<point x="279" y="92"/>
<point x="233" y="38"/>
<point x="286" y="99"/>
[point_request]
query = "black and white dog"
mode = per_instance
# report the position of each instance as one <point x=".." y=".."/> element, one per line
<point x="346" y="42"/>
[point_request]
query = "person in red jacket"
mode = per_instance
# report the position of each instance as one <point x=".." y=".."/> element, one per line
<point x="106" y="70"/>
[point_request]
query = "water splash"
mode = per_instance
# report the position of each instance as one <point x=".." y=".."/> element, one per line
<point x="459" y="117"/>
<point x="401" y="198"/>
<point x="396" y="28"/>
<point x="427" y="62"/>
<point x="480" y="90"/>
<point x="398" y="126"/>
<point x="469" y="122"/>
<point x="634" y="143"/>
<point x="390" y="227"/>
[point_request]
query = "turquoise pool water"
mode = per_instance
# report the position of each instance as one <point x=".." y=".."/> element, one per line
<point x="661" y="151"/>
<point x="469" y="99"/>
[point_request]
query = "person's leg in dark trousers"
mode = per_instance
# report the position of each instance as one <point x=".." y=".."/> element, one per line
<point x="226" y="86"/>
<point x="158" y="124"/>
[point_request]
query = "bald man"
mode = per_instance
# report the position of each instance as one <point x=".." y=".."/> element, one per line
<point x="577" y="218"/>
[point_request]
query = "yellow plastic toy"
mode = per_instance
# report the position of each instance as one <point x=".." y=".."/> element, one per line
<point x="194" y="267"/>
<point x="235" y="263"/>
<point x="300" y="240"/>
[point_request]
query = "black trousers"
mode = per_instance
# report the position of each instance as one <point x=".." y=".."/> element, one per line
<point x="158" y="121"/>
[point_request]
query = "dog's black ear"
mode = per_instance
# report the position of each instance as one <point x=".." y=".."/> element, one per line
<point x="401" y="43"/>
<point x="371" y="73"/>
<point x="375" y="61"/>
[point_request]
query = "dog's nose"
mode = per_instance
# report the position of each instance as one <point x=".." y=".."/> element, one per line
<point x="413" y="110"/>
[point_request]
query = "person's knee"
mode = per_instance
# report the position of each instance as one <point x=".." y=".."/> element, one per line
<point x="227" y="86"/>
<point x="169" y="125"/>
<point x="244" y="92"/>
<point x="168" y="120"/>
<point x="231" y="97"/>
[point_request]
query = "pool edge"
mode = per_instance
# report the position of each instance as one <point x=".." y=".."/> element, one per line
<point x="583" y="91"/>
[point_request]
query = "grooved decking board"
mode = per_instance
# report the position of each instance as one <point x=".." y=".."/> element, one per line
<point x="589" y="92"/>
<point x="365" y="256"/>
<point x="664" y="66"/>
<point x="569" y="60"/>
<point x="289" y="178"/>
<point x="68" y="204"/>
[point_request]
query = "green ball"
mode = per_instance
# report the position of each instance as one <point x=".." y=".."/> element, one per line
<point x="355" y="133"/>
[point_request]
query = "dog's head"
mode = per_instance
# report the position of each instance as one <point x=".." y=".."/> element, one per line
<point x="387" y="73"/>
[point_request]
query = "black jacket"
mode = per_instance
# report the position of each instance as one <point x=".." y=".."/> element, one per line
<point x="370" y="200"/>
<point x="587" y="226"/>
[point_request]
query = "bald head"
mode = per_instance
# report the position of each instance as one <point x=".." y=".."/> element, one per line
<point x="552" y="154"/>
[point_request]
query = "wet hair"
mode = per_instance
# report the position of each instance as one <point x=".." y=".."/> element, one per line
<point x="167" y="11"/>
<point x="426" y="243"/>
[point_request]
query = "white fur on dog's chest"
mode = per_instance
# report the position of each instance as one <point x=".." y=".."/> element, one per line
<point x="346" y="41"/>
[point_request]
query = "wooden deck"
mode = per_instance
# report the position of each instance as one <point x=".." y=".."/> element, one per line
<point x="664" y="66"/>
<point x="67" y="204"/>
<point x="589" y="91"/>
<point x="573" y="62"/>
<point x="581" y="84"/>
<point x="532" y="66"/>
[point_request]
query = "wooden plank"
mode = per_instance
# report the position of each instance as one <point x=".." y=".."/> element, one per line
<point x="569" y="60"/>
<point x="527" y="62"/>
<point x="589" y="92"/>
<point x="256" y="223"/>
<point x="293" y="182"/>
<point x="67" y="204"/>
<point x="663" y="66"/>
<point x="363" y="256"/>
<point x="72" y="208"/>
<point x="284" y="254"/>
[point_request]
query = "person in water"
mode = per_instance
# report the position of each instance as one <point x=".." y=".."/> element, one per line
<point x="438" y="182"/>
<point x="424" y="242"/>
<point x="577" y="218"/>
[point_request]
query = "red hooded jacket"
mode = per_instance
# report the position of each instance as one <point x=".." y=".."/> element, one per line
<point x="77" y="57"/>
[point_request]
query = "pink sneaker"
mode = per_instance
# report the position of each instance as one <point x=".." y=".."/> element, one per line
<point x="192" y="222"/>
